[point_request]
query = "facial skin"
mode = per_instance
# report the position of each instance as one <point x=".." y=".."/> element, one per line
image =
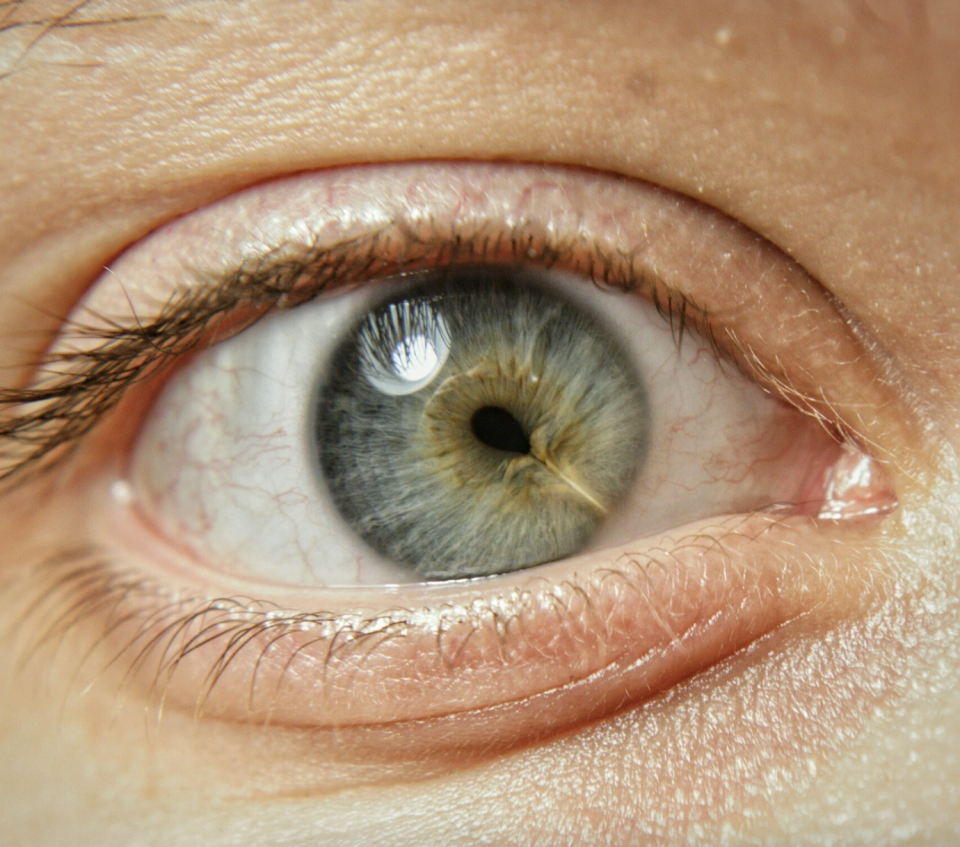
<point x="828" y="128"/>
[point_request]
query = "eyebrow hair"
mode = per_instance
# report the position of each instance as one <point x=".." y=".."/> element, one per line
<point x="35" y="22"/>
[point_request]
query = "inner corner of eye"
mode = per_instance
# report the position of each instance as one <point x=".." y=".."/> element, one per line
<point x="461" y="423"/>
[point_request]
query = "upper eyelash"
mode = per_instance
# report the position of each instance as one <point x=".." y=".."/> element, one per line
<point x="41" y="423"/>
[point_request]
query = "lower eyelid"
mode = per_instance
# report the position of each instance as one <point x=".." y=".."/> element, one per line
<point x="507" y="661"/>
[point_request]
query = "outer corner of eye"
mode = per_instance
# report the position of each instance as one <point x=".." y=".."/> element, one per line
<point x="458" y="408"/>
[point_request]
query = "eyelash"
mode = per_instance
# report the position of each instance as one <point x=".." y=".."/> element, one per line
<point x="43" y="422"/>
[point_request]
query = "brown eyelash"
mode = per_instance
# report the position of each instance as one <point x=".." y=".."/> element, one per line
<point x="42" y="423"/>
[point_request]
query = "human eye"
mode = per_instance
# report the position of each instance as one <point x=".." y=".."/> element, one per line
<point x="254" y="549"/>
<point x="728" y="655"/>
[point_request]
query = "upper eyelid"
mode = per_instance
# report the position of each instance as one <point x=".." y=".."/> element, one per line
<point x="62" y="406"/>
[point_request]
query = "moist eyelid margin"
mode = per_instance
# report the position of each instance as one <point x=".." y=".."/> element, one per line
<point x="568" y="651"/>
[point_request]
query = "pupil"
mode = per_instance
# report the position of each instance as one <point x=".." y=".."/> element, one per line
<point x="497" y="428"/>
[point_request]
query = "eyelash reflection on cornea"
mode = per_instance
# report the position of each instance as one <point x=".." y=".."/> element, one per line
<point x="93" y="365"/>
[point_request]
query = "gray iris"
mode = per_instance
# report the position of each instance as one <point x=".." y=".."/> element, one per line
<point x="479" y="423"/>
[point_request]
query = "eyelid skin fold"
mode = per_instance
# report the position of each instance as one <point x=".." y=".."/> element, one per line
<point x="512" y="659"/>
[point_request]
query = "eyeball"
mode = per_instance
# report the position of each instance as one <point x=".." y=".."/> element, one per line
<point x="458" y="423"/>
<point x="456" y="436"/>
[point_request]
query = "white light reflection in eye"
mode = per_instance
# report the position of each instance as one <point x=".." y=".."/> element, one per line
<point x="416" y="360"/>
<point x="856" y="487"/>
<point x="418" y="350"/>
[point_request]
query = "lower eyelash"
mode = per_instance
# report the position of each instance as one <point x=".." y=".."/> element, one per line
<point x="148" y="633"/>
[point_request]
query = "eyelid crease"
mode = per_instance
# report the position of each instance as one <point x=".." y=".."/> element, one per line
<point x="92" y="365"/>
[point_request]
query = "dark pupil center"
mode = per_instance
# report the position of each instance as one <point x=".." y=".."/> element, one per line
<point x="497" y="428"/>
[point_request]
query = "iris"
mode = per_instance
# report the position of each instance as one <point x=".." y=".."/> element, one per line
<point x="479" y="422"/>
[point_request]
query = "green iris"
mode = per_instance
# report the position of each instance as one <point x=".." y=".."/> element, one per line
<point x="478" y="422"/>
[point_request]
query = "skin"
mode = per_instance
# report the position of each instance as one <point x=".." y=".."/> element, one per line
<point x="828" y="128"/>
